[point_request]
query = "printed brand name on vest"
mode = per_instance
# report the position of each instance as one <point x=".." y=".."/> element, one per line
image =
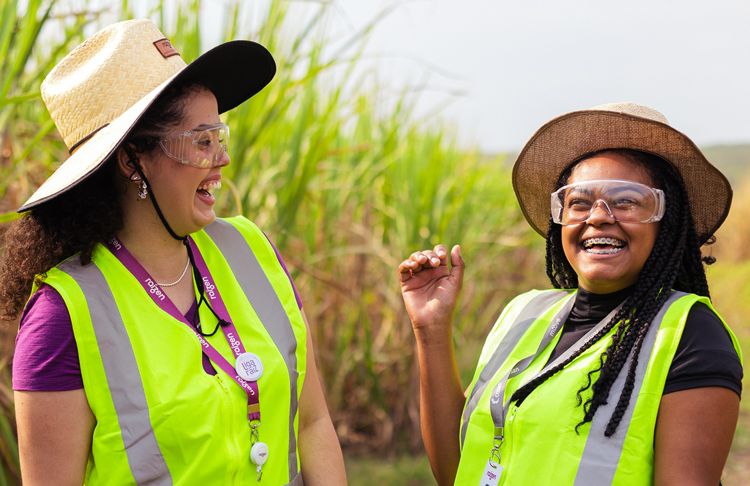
<point x="154" y="289"/>
<point x="553" y="329"/>
<point x="209" y="288"/>
<point x="116" y="244"/>
<point x="234" y="343"/>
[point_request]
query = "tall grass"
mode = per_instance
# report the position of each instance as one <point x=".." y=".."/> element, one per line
<point x="28" y="147"/>
<point x="729" y="279"/>
<point x="731" y="239"/>
<point x="345" y="179"/>
<point x="347" y="189"/>
<point x="339" y="172"/>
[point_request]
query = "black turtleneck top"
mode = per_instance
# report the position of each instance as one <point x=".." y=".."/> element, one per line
<point x="705" y="356"/>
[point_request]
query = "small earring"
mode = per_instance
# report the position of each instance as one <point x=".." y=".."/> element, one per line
<point x="142" y="191"/>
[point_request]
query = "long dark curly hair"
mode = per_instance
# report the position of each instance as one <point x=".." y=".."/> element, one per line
<point x="675" y="263"/>
<point x="90" y="213"/>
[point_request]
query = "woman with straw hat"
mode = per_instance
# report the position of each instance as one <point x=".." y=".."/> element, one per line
<point x="623" y="373"/>
<point x="160" y="345"/>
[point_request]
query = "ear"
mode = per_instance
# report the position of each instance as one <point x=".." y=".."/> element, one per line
<point x="126" y="160"/>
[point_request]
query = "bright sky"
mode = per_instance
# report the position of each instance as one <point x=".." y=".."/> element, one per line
<point x="520" y="63"/>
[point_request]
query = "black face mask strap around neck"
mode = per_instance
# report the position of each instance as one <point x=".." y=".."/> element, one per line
<point x="184" y="239"/>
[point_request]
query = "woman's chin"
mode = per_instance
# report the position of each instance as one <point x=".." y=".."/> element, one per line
<point x="604" y="283"/>
<point x="204" y="218"/>
<point x="199" y="219"/>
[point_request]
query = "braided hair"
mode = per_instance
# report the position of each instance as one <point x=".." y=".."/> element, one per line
<point x="675" y="263"/>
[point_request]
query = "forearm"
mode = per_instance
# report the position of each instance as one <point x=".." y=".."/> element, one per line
<point x="320" y="454"/>
<point x="441" y="403"/>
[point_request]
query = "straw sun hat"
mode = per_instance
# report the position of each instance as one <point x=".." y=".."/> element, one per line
<point x="99" y="91"/>
<point x="567" y="138"/>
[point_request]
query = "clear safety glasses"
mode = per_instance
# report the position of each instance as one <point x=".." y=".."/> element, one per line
<point x="625" y="201"/>
<point x="202" y="148"/>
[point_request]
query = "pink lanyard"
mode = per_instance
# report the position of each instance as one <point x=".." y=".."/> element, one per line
<point x="230" y="331"/>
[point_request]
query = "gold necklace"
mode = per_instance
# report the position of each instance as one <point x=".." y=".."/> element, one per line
<point x="172" y="284"/>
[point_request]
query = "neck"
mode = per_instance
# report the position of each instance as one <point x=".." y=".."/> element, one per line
<point x="148" y="241"/>
<point x="599" y="293"/>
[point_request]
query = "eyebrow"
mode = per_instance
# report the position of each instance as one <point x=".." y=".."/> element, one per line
<point x="616" y="191"/>
<point x="580" y="191"/>
<point x="205" y="126"/>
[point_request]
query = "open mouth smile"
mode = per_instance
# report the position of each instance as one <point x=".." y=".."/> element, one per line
<point x="207" y="188"/>
<point x="603" y="246"/>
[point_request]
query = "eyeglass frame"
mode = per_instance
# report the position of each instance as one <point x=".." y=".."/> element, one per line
<point x="658" y="195"/>
<point x="223" y="147"/>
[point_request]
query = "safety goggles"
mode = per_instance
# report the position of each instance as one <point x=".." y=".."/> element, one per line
<point x="202" y="148"/>
<point x="625" y="201"/>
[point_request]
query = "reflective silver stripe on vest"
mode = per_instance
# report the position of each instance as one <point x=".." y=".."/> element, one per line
<point x="601" y="454"/>
<point x="531" y="311"/>
<point x="123" y="378"/>
<point x="297" y="481"/>
<point x="268" y="307"/>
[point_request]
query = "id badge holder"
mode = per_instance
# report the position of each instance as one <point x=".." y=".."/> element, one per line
<point x="491" y="474"/>
<point x="493" y="470"/>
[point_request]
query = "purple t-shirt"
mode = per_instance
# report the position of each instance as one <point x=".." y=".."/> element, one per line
<point x="46" y="357"/>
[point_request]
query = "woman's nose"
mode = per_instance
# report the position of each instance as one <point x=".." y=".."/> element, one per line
<point x="600" y="213"/>
<point x="222" y="159"/>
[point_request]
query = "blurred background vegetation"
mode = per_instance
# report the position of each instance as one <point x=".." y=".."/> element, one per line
<point x="347" y="181"/>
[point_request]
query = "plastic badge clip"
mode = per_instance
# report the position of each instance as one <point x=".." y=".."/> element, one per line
<point x="258" y="449"/>
<point x="259" y="456"/>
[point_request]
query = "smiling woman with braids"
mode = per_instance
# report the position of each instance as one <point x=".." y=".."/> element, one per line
<point x="624" y="373"/>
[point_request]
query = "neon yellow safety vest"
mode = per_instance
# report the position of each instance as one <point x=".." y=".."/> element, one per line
<point x="160" y="418"/>
<point x="541" y="445"/>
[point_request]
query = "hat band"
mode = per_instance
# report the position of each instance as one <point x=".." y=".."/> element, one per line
<point x="84" y="139"/>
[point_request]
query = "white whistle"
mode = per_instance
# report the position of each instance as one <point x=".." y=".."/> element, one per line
<point x="259" y="453"/>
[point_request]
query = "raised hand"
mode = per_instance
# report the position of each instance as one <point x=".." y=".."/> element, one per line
<point x="430" y="287"/>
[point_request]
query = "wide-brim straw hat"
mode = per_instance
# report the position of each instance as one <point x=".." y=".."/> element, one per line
<point x="567" y="138"/>
<point x="99" y="91"/>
